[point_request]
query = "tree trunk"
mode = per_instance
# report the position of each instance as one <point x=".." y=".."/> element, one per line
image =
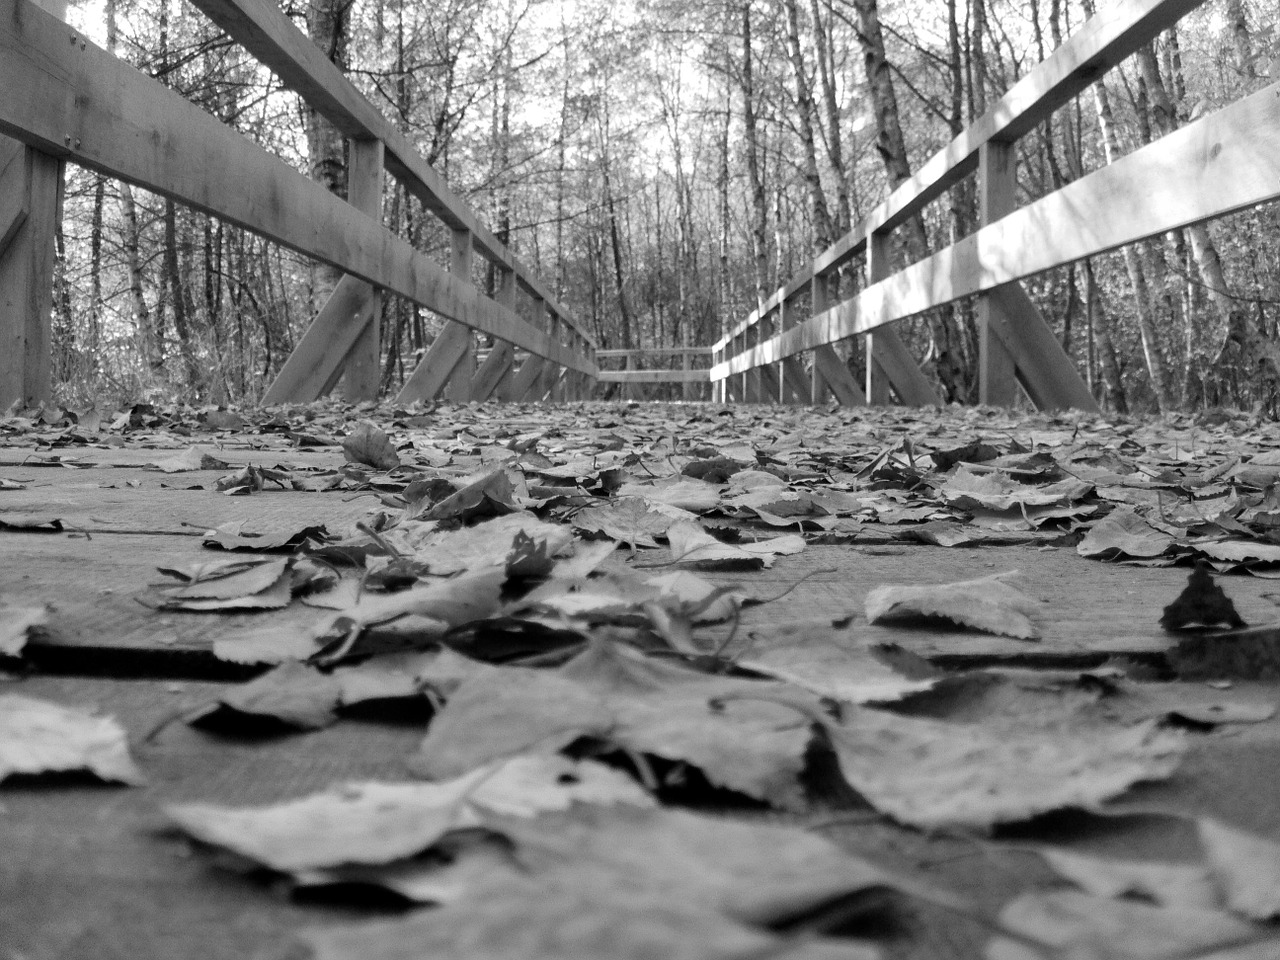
<point x="822" y="226"/>
<point x="825" y="45"/>
<point x="948" y="349"/>
<point x="1255" y="351"/>
<point x="152" y="353"/>
<point x="1152" y="353"/>
<point x="759" y="206"/>
<point x="327" y="25"/>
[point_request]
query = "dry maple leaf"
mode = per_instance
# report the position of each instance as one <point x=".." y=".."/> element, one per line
<point x="38" y="736"/>
<point x="988" y="604"/>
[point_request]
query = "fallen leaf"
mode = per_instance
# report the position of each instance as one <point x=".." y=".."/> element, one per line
<point x="1065" y="923"/>
<point x="555" y="924"/>
<point x="695" y="496"/>
<point x="934" y="774"/>
<point x="1121" y="534"/>
<point x="1165" y="884"/>
<point x="368" y="444"/>
<point x="269" y="644"/>
<point x="988" y="604"/>
<point x="293" y="694"/>
<point x="265" y="537"/>
<point x="1245" y="866"/>
<point x="38" y="736"/>
<point x="29" y="522"/>
<point x="691" y="544"/>
<point x="492" y="494"/>
<point x="16" y="624"/>
<point x="369" y="823"/>
<point x="826" y="658"/>
<point x="379" y="823"/>
<point x="629" y="520"/>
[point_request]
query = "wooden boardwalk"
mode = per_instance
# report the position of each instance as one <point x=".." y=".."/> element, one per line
<point x="89" y="870"/>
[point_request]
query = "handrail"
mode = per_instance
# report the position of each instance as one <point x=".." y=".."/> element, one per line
<point x="655" y="351"/>
<point x="261" y="27"/>
<point x="1103" y="41"/>
<point x="73" y="101"/>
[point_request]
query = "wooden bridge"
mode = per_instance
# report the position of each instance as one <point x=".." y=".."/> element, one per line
<point x="66" y="101"/>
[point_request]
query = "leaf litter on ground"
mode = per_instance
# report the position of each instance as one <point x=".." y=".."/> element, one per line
<point x="474" y="543"/>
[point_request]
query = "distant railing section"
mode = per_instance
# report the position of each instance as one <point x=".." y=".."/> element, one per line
<point x="66" y="100"/>
<point x="635" y="369"/>
<point x="786" y="350"/>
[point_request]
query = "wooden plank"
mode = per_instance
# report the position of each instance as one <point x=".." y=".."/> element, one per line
<point x="26" y="279"/>
<point x="362" y="366"/>
<point x="835" y="374"/>
<point x="262" y="28"/>
<point x="794" y="382"/>
<point x="437" y="366"/>
<point x="674" y="375"/>
<point x="1226" y="161"/>
<point x="900" y="368"/>
<point x="78" y="102"/>
<point x="997" y="197"/>
<point x="1118" y="29"/>
<point x="878" y="268"/>
<point x="492" y="371"/>
<point x="526" y="380"/>
<point x="656" y="352"/>
<point x="1044" y="368"/>
<point x="316" y="362"/>
<point x="500" y="358"/>
<point x="15" y="197"/>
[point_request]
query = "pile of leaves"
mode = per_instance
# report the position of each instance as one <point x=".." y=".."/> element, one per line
<point x="537" y="588"/>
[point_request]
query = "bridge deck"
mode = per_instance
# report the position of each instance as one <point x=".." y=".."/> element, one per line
<point x="91" y="871"/>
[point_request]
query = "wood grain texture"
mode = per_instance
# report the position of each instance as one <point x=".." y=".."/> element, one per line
<point x="438" y="365"/>
<point x="318" y="357"/>
<point x="362" y="366"/>
<point x="15" y="197"/>
<point x="78" y="102"/>
<point x="26" y="275"/>
<point x="1044" y="368"/>
<point x="835" y="374"/>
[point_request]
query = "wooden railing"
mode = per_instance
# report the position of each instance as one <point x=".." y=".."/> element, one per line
<point x="66" y="100"/>
<point x="1223" y="162"/>
<point x="632" y="369"/>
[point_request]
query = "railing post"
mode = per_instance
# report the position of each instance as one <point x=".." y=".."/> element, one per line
<point x="997" y="183"/>
<point x="497" y="366"/>
<point x="30" y="210"/>
<point x="829" y="371"/>
<point x="362" y="370"/>
<point x="878" y="249"/>
<point x="791" y="379"/>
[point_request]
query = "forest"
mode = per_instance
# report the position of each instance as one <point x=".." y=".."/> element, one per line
<point x="665" y="165"/>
